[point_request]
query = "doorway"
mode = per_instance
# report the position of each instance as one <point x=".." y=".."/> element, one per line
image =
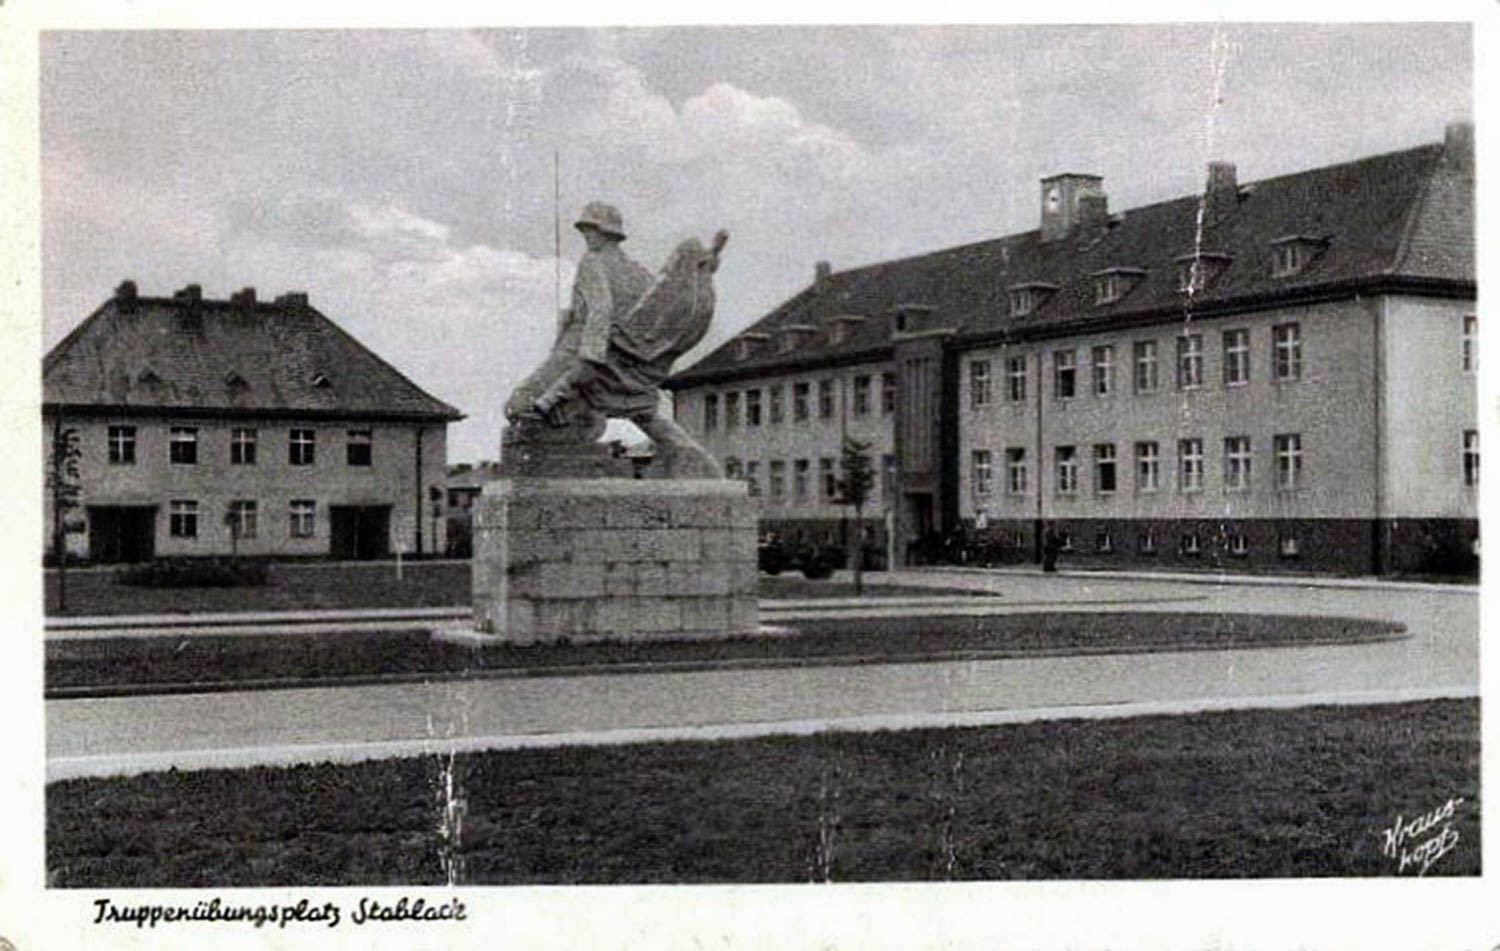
<point x="359" y="532"/>
<point x="121" y="533"/>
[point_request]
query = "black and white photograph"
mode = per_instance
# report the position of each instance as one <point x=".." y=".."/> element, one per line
<point x="794" y="484"/>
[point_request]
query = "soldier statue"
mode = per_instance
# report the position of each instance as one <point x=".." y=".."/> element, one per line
<point x="617" y="341"/>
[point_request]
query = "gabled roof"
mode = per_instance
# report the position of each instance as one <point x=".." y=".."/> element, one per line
<point x="1404" y="219"/>
<point x="234" y="357"/>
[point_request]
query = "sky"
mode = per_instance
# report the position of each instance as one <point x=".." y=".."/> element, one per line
<point x="413" y="182"/>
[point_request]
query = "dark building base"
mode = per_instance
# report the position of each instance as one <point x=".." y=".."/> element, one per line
<point x="1440" y="547"/>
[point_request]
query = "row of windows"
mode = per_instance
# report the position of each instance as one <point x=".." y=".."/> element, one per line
<point x="861" y="402"/>
<point x="749" y="470"/>
<point x="1238" y="461"/>
<point x="242" y="518"/>
<point x="1146" y="359"/>
<point x="1190" y="543"/>
<point x="183" y="443"/>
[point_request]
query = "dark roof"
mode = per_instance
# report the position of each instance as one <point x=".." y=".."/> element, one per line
<point x="1403" y="219"/>
<point x="191" y="355"/>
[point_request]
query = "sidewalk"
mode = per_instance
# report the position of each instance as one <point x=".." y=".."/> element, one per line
<point x="914" y="576"/>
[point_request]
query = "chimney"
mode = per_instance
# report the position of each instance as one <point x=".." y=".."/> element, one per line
<point x="192" y="292"/>
<point x="125" y="296"/>
<point x="1222" y="193"/>
<point x="245" y="298"/>
<point x="292" y="299"/>
<point x="1093" y="218"/>
<point x="1061" y="200"/>
<point x="1458" y="147"/>
<point x="821" y="272"/>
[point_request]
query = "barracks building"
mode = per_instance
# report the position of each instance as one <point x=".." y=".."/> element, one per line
<point x="1277" y="374"/>
<point x="206" y="427"/>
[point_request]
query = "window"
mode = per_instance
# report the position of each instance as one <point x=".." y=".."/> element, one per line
<point x="303" y="518"/>
<point x="1015" y="471"/>
<point x="778" y="479"/>
<point x="1145" y="541"/>
<point x="825" y="399"/>
<point x="887" y="393"/>
<point x="731" y="467"/>
<point x="800" y="472"/>
<point x="1190" y="276"/>
<point x="1022" y="301"/>
<point x="300" y="447"/>
<point x="1291" y="254"/>
<point x="1015" y="370"/>
<point x="183" y="445"/>
<point x="1104" y="467"/>
<point x="242" y="446"/>
<point x="776" y="405"/>
<point x="122" y="445"/>
<point x="979" y="384"/>
<point x="1147" y="467"/>
<point x="242" y="518"/>
<point x="1104" y="542"/>
<point x="1189" y="361"/>
<point x="1288" y="546"/>
<point x="1237" y="463"/>
<point x="357" y="450"/>
<point x="1236" y="357"/>
<point x="1286" y="352"/>
<point x="752" y="407"/>
<point x="1065" y="374"/>
<point x="731" y="410"/>
<point x="1190" y="543"/>
<point x="1190" y="465"/>
<point x="1104" y="370"/>
<point x="1109" y="288"/>
<point x="1067" y="469"/>
<point x="752" y="478"/>
<point x="828" y="479"/>
<point x="710" y="412"/>
<point x="1237" y="544"/>
<point x="1471" y="457"/>
<point x="183" y="519"/>
<point x="888" y="476"/>
<point x="1471" y="344"/>
<point x="800" y="394"/>
<point x="1145" y="366"/>
<point x="981" y="469"/>
<point x="1288" y="448"/>
<point x="861" y="399"/>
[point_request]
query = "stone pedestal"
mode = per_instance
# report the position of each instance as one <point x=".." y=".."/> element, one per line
<point x="623" y="559"/>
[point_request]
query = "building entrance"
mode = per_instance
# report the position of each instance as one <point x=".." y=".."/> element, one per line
<point x="359" y="532"/>
<point x="121" y="533"/>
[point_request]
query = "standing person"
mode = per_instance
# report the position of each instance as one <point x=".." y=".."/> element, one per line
<point x="1051" y="546"/>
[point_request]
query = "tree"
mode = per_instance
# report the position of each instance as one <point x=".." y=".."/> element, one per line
<point x="63" y="485"/>
<point x="854" y="490"/>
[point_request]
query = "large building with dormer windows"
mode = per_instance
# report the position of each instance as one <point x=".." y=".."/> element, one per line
<point x="261" y="428"/>
<point x="1278" y="374"/>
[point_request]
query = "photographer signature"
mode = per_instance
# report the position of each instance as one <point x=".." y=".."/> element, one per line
<point x="1420" y="841"/>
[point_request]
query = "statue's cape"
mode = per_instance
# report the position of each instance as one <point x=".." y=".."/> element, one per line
<point x="674" y="313"/>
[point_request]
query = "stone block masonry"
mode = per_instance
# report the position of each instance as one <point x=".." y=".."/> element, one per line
<point x="620" y="559"/>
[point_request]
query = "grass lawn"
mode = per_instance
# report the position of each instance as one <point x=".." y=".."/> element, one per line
<point x="314" y="585"/>
<point x="1250" y="794"/>
<point x="144" y="664"/>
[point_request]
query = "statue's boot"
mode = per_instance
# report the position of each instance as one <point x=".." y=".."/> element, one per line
<point x="681" y="455"/>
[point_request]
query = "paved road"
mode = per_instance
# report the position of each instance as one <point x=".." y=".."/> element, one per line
<point x="129" y="734"/>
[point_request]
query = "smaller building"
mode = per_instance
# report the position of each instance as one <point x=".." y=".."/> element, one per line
<point x="217" y="427"/>
<point x="465" y="482"/>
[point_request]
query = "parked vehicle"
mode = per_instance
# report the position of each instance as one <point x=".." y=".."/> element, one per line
<point x="814" y="561"/>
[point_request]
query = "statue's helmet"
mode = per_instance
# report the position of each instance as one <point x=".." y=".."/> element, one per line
<point x="604" y="216"/>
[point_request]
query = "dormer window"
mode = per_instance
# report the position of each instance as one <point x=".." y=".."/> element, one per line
<point x="1292" y="253"/>
<point x="233" y="380"/>
<point x="1113" y="283"/>
<point x="1026" y="298"/>
<point x="749" y="344"/>
<point x="1195" y="271"/>
<point x="840" y="327"/>
<point x="148" y="377"/>
<point x="321" y="381"/>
